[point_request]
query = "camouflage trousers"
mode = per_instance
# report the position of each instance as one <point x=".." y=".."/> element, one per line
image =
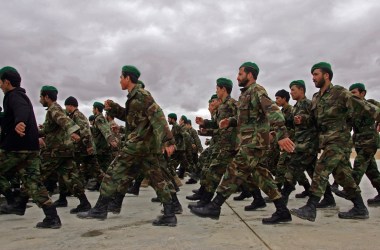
<point x="217" y="168"/>
<point x="66" y="170"/>
<point x="334" y="160"/>
<point x="365" y="163"/>
<point x="126" y="167"/>
<point x="104" y="161"/>
<point x="248" y="167"/>
<point x="281" y="168"/>
<point x="178" y="158"/>
<point x="27" y="164"/>
<point x="299" y="163"/>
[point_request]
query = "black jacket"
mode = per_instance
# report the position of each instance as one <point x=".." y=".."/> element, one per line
<point x="18" y="108"/>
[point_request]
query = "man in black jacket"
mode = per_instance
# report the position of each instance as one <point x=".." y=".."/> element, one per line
<point x="19" y="151"/>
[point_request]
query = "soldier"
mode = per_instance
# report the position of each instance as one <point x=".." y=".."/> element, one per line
<point x="147" y="135"/>
<point x="104" y="141"/>
<point x="19" y="150"/>
<point x="365" y="139"/>
<point x="331" y="108"/>
<point x="227" y="141"/>
<point x="305" y="153"/>
<point x="184" y="166"/>
<point x="196" y="147"/>
<point x="85" y="154"/>
<point x="256" y="111"/>
<point x="58" y="156"/>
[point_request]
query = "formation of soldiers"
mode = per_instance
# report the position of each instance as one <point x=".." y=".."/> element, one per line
<point x="254" y="147"/>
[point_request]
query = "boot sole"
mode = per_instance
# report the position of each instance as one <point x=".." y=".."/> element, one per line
<point x="254" y="209"/>
<point x="92" y="218"/>
<point x="302" y="217"/>
<point x="327" y="207"/>
<point x="357" y="217"/>
<point x="216" y="217"/>
<point x="277" y="222"/>
<point x="165" y="225"/>
<point x="373" y="204"/>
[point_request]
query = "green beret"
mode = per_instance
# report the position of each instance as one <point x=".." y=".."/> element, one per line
<point x="300" y="83"/>
<point x="132" y="70"/>
<point x="184" y="118"/>
<point x="322" y="65"/>
<point x="214" y="96"/>
<point x="98" y="105"/>
<point x="224" y="82"/>
<point x="173" y="116"/>
<point x="141" y="83"/>
<point x="6" y="69"/>
<point x="251" y="65"/>
<point x="49" y="88"/>
<point x="357" y="85"/>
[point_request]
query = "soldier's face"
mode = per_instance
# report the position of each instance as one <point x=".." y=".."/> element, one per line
<point x="219" y="92"/>
<point x="124" y="82"/>
<point x="170" y="121"/>
<point x="319" y="78"/>
<point x="280" y="101"/>
<point x="296" y="92"/>
<point x="43" y="101"/>
<point x="357" y="93"/>
<point x="242" y="78"/>
<point x="4" y="85"/>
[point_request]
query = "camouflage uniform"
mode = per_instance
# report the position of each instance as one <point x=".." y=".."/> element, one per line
<point x="306" y="141"/>
<point x="227" y="143"/>
<point x="58" y="156"/>
<point x="332" y="111"/>
<point x="256" y="111"/>
<point x="180" y="155"/>
<point x="196" y="147"/>
<point x="366" y="139"/>
<point x="146" y="131"/>
<point x="102" y="137"/>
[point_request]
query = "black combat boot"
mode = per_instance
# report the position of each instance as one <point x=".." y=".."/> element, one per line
<point x="14" y="207"/>
<point x="177" y="207"/>
<point x="305" y="193"/>
<point x="282" y="213"/>
<point x="155" y="199"/>
<point x="135" y="188"/>
<point x="359" y="211"/>
<point x="181" y="172"/>
<point x="114" y="206"/>
<point x="83" y="206"/>
<point x="195" y="191"/>
<point x="286" y="191"/>
<point x="51" y="218"/>
<point x="328" y="199"/>
<point x="198" y="195"/>
<point x="212" y="209"/>
<point x="99" y="211"/>
<point x="206" y="198"/>
<point x="244" y="194"/>
<point x="62" y="201"/>
<point x="309" y="211"/>
<point x="375" y="201"/>
<point x="258" y="201"/>
<point x="168" y="218"/>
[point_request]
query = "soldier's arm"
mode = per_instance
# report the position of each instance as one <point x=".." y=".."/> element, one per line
<point x="64" y="121"/>
<point x="361" y="107"/>
<point x="197" y="141"/>
<point x="85" y="132"/>
<point x="116" y="110"/>
<point x="21" y="110"/>
<point x="105" y="129"/>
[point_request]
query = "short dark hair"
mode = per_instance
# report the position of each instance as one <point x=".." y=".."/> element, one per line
<point x="133" y="77"/>
<point x="283" y="94"/>
<point x="328" y="71"/>
<point x="251" y="70"/>
<point x="50" y="93"/>
<point x="300" y="87"/>
<point x="13" y="77"/>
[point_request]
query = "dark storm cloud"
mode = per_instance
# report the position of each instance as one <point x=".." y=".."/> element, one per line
<point x="182" y="47"/>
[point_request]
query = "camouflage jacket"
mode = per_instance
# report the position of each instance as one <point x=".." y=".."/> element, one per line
<point x="178" y="133"/>
<point x="226" y="137"/>
<point x="364" y="127"/>
<point x="333" y="112"/>
<point x="256" y="114"/>
<point x="146" y="127"/>
<point x="102" y="135"/>
<point x="195" y="141"/>
<point x="57" y="129"/>
<point x="288" y="115"/>
<point x="86" y="140"/>
<point x="305" y="134"/>
<point x="187" y="140"/>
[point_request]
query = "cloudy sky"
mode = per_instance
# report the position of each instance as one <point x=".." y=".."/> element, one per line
<point x="182" y="47"/>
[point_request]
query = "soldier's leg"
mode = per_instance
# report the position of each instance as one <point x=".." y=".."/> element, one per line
<point x="281" y="168"/>
<point x="362" y="162"/>
<point x="373" y="175"/>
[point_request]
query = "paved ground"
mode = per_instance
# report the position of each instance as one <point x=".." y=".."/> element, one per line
<point x="236" y="228"/>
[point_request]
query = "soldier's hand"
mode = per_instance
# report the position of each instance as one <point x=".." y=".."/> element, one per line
<point x="20" y="129"/>
<point x="107" y="104"/>
<point x="170" y="150"/>
<point x="193" y="146"/>
<point x="114" y="143"/>
<point x="90" y="150"/>
<point x="287" y="145"/>
<point x="75" y="137"/>
<point x="199" y="120"/>
<point x="224" y="123"/>
<point x="297" y="119"/>
<point x="41" y="142"/>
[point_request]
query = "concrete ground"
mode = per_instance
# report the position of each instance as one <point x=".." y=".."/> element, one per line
<point x="236" y="228"/>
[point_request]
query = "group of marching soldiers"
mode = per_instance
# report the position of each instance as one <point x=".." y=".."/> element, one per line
<point x="254" y="146"/>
